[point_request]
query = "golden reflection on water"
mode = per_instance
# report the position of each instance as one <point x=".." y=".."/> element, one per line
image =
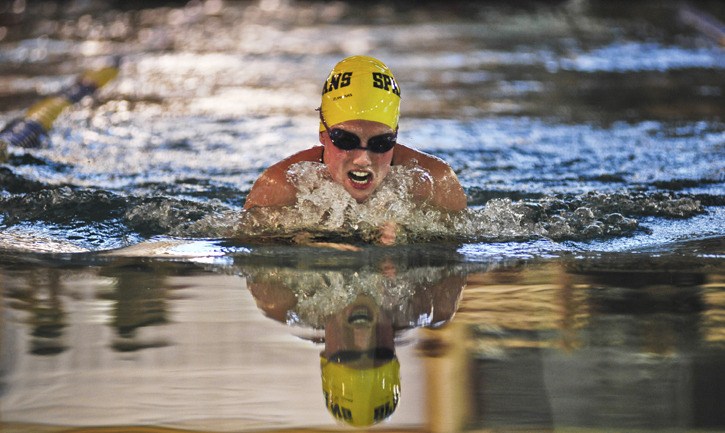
<point x="531" y="345"/>
<point x="714" y="316"/>
<point x="588" y="345"/>
<point x="524" y="299"/>
<point x="548" y="305"/>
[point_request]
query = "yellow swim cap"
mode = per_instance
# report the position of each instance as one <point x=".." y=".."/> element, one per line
<point x="361" y="397"/>
<point x="360" y="88"/>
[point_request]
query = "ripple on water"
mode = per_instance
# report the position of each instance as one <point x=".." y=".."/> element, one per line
<point x="325" y="209"/>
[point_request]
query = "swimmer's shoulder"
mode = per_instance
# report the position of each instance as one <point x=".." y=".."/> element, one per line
<point x="405" y="155"/>
<point x="273" y="188"/>
<point x="448" y="192"/>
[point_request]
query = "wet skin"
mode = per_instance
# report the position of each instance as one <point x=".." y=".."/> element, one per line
<point x="358" y="327"/>
<point x="359" y="171"/>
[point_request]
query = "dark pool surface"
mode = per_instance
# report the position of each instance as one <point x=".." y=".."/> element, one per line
<point x="583" y="289"/>
<point x="230" y="340"/>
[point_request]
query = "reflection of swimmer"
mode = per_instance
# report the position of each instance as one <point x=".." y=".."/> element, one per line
<point x="360" y="372"/>
<point x="360" y="309"/>
<point x="412" y="297"/>
<point x="358" y="131"/>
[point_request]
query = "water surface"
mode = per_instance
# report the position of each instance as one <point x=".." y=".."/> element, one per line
<point x="582" y="289"/>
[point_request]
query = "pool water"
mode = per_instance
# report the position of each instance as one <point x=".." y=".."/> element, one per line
<point x="212" y="342"/>
<point x="583" y="289"/>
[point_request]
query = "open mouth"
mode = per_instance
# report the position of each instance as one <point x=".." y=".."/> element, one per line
<point x="360" y="178"/>
<point x="360" y="316"/>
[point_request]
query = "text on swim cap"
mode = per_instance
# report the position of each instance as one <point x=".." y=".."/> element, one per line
<point x="343" y="79"/>
<point x="385" y="82"/>
<point x="384" y="411"/>
<point x="344" y="414"/>
<point x="339" y="412"/>
<point x="337" y="81"/>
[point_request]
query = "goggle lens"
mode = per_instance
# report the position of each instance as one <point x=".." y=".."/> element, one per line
<point x="346" y="140"/>
<point x="377" y="354"/>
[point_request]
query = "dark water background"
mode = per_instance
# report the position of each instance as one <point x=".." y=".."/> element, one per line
<point x="558" y="107"/>
<point x="588" y="136"/>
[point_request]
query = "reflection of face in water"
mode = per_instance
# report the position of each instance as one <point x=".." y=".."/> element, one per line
<point x="360" y="372"/>
<point x="360" y="326"/>
<point x="361" y="309"/>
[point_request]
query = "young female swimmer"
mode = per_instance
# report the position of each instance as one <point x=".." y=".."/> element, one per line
<point x="358" y="130"/>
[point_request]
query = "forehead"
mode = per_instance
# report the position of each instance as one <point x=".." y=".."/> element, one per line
<point x="363" y="127"/>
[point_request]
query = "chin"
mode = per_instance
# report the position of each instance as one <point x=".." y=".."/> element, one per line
<point x="360" y="196"/>
<point x="360" y="199"/>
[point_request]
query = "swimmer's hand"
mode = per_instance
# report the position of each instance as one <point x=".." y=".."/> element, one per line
<point x="388" y="233"/>
<point x="305" y="238"/>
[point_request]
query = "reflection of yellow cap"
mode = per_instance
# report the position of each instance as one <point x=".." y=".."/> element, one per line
<point x="361" y="397"/>
<point x="360" y="87"/>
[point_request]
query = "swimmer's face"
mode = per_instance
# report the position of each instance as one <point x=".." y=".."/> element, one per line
<point x="359" y="171"/>
<point x="359" y="327"/>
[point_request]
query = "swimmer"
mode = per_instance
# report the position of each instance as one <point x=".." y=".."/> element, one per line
<point x="358" y="134"/>
<point x="362" y="311"/>
<point x="360" y="371"/>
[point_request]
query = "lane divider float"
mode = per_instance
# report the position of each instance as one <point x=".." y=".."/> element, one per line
<point x="28" y="131"/>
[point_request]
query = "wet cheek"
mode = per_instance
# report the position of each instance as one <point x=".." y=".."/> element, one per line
<point x="336" y="167"/>
<point x="383" y="169"/>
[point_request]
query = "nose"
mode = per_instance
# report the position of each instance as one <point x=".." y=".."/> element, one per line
<point x="361" y="158"/>
<point x="363" y="338"/>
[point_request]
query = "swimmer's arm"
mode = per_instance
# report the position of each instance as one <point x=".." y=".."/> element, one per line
<point x="274" y="299"/>
<point x="273" y="188"/>
<point x="445" y="191"/>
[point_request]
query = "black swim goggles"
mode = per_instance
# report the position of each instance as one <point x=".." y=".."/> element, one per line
<point x="377" y="354"/>
<point x="346" y="140"/>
